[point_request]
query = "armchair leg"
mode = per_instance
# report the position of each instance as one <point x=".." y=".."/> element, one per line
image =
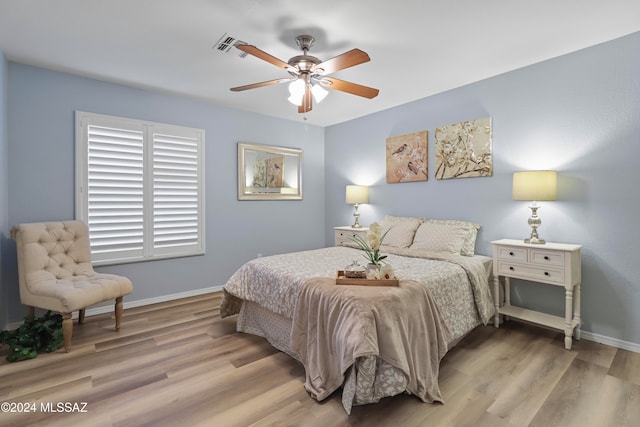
<point x="81" y="316"/>
<point x="67" y="331"/>
<point x="31" y="311"/>
<point x="118" y="310"/>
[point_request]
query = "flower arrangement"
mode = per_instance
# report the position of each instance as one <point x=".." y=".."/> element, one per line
<point x="371" y="247"/>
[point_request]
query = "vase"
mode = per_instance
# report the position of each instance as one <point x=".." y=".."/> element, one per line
<point x="371" y="267"/>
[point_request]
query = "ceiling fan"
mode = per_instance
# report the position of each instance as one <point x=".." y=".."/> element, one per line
<point x="309" y="75"/>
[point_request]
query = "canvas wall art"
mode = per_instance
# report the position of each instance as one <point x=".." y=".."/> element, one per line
<point x="260" y="174"/>
<point x="407" y="157"/>
<point x="463" y="150"/>
<point x="275" y="172"/>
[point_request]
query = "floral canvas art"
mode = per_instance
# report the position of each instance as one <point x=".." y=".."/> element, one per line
<point x="260" y="173"/>
<point x="407" y="157"/>
<point x="463" y="150"/>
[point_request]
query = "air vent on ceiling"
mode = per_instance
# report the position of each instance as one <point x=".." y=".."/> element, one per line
<point x="226" y="44"/>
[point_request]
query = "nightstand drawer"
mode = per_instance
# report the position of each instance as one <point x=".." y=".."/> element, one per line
<point x="343" y="238"/>
<point x="344" y="235"/>
<point x="549" y="275"/>
<point x="544" y="257"/>
<point x="512" y="253"/>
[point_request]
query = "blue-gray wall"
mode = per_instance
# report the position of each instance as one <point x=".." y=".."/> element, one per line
<point x="578" y="114"/>
<point x="40" y="111"/>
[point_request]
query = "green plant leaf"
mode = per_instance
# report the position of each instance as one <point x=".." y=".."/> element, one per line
<point x="34" y="335"/>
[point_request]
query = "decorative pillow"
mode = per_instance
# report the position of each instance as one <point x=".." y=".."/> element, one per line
<point x="439" y="237"/>
<point x="411" y="219"/>
<point x="469" y="245"/>
<point x="401" y="230"/>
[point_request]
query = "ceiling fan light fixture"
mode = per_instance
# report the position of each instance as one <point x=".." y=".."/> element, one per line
<point x="296" y="89"/>
<point x="319" y="93"/>
<point x="295" y="100"/>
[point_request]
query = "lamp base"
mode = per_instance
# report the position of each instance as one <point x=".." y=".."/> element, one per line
<point x="534" y="223"/>
<point x="356" y="216"/>
<point x="534" y="241"/>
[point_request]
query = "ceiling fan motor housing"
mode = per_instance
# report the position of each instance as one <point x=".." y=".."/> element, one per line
<point x="304" y="63"/>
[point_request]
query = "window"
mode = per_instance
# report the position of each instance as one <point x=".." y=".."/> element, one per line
<point x="140" y="188"/>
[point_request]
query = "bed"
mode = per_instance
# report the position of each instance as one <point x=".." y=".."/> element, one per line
<point x="374" y="342"/>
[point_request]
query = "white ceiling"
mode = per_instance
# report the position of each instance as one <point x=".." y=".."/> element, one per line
<point x="417" y="47"/>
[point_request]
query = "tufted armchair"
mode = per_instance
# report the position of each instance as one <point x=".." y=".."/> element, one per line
<point x="55" y="272"/>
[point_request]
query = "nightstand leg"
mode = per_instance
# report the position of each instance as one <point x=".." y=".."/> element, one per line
<point x="568" y="318"/>
<point x="496" y="299"/>
<point x="507" y="291"/>
<point x="576" y="310"/>
<point x="507" y="294"/>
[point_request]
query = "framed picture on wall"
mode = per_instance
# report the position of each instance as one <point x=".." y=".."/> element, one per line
<point x="268" y="172"/>
<point x="463" y="150"/>
<point x="407" y="157"/>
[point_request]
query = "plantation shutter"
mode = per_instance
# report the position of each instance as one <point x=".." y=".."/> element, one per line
<point x="176" y="192"/>
<point x="115" y="213"/>
<point x="139" y="188"/>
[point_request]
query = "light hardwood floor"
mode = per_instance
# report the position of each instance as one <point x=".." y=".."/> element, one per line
<point x="179" y="363"/>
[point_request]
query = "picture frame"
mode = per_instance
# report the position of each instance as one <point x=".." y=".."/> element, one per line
<point x="267" y="172"/>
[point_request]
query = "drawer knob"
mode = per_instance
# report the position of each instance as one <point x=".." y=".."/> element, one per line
<point x="511" y="268"/>
<point x="511" y="253"/>
<point x="546" y="257"/>
<point x="546" y="273"/>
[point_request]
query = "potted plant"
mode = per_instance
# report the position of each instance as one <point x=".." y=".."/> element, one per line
<point x="34" y="335"/>
<point x="372" y="252"/>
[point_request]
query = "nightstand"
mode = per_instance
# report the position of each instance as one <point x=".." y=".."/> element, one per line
<point x="344" y="234"/>
<point x="555" y="264"/>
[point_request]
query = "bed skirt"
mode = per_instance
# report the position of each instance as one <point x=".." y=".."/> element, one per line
<point x="367" y="381"/>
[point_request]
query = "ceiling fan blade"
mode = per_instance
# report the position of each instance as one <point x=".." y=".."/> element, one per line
<point x="261" y="54"/>
<point x="261" y="84"/>
<point x="307" y="100"/>
<point x="353" y="88"/>
<point x="340" y="62"/>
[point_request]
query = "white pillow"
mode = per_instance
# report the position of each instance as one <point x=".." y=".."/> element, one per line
<point x="439" y="237"/>
<point x="469" y="245"/>
<point x="401" y="230"/>
<point x="391" y="218"/>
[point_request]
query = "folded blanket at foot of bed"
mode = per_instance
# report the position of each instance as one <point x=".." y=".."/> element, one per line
<point x="335" y="325"/>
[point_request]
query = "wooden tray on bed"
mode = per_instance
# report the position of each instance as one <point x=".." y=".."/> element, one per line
<point x="342" y="280"/>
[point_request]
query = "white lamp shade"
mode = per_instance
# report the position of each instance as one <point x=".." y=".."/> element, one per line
<point x="535" y="185"/>
<point x="357" y="194"/>
<point x="319" y="93"/>
<point x="296" y="89"/>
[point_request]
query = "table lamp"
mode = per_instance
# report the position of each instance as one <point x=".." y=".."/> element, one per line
<point x="357" y="194"/>
<point x="535" y="186"/>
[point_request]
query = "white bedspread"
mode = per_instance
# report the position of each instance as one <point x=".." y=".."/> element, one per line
<point x="458" y="284"/>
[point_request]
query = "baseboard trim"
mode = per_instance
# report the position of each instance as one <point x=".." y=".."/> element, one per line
<point x="132" y="304"/>
<point x="589" y="336"/>
<point x="155" y="300"/>
<point x="613" y="342"/>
